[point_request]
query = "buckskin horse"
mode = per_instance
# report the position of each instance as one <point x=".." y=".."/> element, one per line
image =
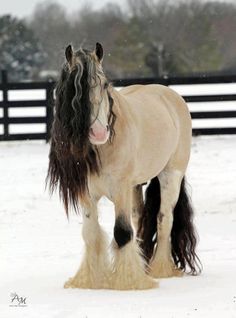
<point x="110" y="143"/>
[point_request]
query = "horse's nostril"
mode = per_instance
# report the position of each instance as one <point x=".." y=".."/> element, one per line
<point x="107" y="127"/>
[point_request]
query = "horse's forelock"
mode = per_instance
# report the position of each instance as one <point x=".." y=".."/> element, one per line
<point x="82" y="107"/>
<point x="71" y="156"/>
<point x="95" y="78"/>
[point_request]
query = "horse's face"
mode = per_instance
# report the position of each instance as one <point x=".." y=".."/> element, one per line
<point x="91" y="87"/>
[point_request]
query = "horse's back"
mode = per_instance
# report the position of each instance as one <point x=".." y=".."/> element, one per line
<point x="130" y="89"/>
<point x="170" y="99"/>
<point x="154" y="100"/>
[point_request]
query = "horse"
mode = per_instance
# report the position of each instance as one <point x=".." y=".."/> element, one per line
<point x="111" y="143"/>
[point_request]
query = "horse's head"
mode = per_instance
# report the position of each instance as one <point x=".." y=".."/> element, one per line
<point x="83" y="99"/>
<point x="83" y="119"/>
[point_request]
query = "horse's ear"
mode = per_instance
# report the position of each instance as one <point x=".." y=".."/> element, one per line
<point x="69" y="54"/>
<point x="99" y="51"/>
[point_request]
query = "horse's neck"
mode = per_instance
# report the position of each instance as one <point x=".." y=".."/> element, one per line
<point x="111" y="153"/>
<point x="117" y="108"/>
<point x="121" y="110"/>
<point x="124" y="124"/>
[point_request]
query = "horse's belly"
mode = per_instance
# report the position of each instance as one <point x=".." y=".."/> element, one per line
<point x="153" y="155"/>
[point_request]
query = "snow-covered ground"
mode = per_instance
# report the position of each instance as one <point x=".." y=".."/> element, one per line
<point x="40" y="249"/>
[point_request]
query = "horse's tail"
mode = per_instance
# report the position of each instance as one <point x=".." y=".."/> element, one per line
<point x="183" y="235"/>
<point x="147" y="225"/>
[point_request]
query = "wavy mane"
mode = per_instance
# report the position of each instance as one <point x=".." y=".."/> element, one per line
<point x="72" y="158"/>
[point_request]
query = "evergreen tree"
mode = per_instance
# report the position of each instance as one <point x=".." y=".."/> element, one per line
<point x="21" y="54"/>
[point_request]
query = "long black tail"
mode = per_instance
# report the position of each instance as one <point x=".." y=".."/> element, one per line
<point x="147" y="225"/>
<point x="183" y="235"/>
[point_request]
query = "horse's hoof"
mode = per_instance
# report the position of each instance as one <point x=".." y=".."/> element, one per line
<point x="79" y="281"/>
<point x="136" y="279"/>
<point x="164" y="270"/>
<point x="85" y="282"/>
<point x="69" y="283"/>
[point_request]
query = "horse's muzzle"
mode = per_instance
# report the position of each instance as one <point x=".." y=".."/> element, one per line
<point x="98" y="134"/>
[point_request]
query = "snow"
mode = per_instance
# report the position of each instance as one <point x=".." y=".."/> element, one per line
<point x="23" y="128"/>
<point x="29" y="112"/>
<point x="27" y="94"/>
<point x="40" y="249"/>
<point x="205" y="89"/>
<point x="212" y="123"/>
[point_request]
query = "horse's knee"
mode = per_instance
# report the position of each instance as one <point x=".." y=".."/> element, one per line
<point x="123" y="232"/>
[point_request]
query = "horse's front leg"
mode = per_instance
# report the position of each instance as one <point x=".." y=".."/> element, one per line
<point x="128" y="270"/>
<point x="94" y="271"/>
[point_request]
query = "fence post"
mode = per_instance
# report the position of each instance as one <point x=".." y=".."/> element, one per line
<point x="49" y="109"/>
<point x="5" y="104"/>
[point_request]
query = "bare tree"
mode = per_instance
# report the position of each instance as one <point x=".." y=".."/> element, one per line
<point x="196" y="36"/>
<point x="51" y="25"/>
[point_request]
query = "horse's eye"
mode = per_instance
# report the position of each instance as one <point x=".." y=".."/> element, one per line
<point x="106" y="85"/>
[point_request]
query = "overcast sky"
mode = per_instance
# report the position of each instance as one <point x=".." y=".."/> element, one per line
<point x="23" y="8"/>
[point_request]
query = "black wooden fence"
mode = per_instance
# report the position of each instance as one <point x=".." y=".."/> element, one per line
<point x="6" y="104"/>
<point x="47" y="103"/>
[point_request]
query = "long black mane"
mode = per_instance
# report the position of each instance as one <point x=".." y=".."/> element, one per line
<point x="72" y="158"/>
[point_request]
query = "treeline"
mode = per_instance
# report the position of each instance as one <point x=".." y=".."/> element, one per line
<point x="151" y="38"/>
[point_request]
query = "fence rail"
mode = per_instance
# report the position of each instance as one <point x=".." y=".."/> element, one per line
<point x="47" y="103"/>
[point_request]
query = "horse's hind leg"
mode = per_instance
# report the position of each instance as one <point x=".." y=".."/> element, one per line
<point x="94" y="271"/>
<point x="162" y="264"/>
<point x="128" y="270"/>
